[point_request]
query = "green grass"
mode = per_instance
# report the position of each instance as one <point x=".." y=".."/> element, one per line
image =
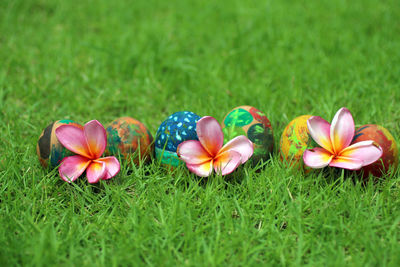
<point x="86" y="60"/>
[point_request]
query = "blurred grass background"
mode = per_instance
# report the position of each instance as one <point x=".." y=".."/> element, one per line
<point x="86" y="60"/>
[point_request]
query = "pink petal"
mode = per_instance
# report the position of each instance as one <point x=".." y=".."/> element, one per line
<point x="346" y="163"/>
<point x="112" y="166"/>
<point x="342" y="130"/>
<point x="73" y="139"/>
<point x="210" y="134"/>
<point x="227" y="162"/>
<point x="367" y="151"/>
<point x="317" y="158"/>
<point x="320" y="131"/>
<point x="72" y="167"/>
<point x="96" y="138"/>
<point x="96" y="171"/>
<point x="202" y="170"/>
<point x="240" y="144"/>
<point x="192" y="152"/>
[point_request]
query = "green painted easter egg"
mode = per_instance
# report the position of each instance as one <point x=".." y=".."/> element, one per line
<point x="250" y="122"/>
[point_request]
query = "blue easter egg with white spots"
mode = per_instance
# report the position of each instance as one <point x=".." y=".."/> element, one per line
<point x="177" y="128"/>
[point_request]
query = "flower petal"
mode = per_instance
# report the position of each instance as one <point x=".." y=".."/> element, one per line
<point x="192" y="152"/>
<point x="346" y="163"/>
<point x="96" y="171"/>
<point x="320" y="131"/>
<point x="72" y="167"/>
<point x="227" y="162"/>
<point x="242" y="145"/>
<point x="112" y="166"/>
<point x="210" y="134"/>
<point x="96" y="138"/>
<point x="317" y="158"/>
<point x="203" y="169"/>
<point x="342" y="130"/>
<point x="367" y="151"/>
<point x="73" y="139"/>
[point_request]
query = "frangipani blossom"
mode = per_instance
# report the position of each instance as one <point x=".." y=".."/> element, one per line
<point x="203" y="156"/>
<point x="335" y="141"/>
<point x="89" y="143"/>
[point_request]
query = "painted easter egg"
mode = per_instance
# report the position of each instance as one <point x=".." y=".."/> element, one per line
<point x="49" y="150"/>
<point x="130" y="139"/>
<point x="177" y="128"/>
<point x="251" y="122"/>
<point x="294" y="141"/>
<point x="383" y="138"/>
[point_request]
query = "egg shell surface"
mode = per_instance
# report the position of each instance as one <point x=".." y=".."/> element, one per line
<point x="49" y="150"/>
<point x="254" y="124"/>
<point x="177" y="128"/>
<point x="382" y="137"/>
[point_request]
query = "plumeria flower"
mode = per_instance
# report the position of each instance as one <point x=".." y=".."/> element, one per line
<point x="201" y="157"/>
<point x="335" y="141"/>
<point x="89" y="143"/>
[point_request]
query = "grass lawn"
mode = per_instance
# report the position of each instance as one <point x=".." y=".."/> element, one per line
<point x="146" y="59"/>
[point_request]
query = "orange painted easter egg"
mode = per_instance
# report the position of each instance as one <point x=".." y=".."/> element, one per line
<point x="130" y="139"/>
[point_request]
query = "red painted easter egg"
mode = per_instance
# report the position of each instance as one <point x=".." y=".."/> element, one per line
<point x="382" y="137"/>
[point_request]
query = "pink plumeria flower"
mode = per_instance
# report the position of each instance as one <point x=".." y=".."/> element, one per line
<point x="335" y="141"/>
<point x="89" y="143"/>
<point x="201" y="157"/>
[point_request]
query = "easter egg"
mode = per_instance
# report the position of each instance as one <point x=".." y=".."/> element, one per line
<point x="49" y="150"/>
<point x="294" y="141"/>
<point x="251" y="122"/>
<point x="177" y="128"/>
<point x="130" y="139"/>
<point x="382" y="137"/>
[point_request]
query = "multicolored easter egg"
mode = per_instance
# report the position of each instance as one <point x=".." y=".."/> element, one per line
<point x="295" y="140"/>
<point x="130" y="139"/>
<point x="49" y="150"/>
<point x="383" y="138"/>
<point x="249" y="121"/>
<point x="177" y="128"/>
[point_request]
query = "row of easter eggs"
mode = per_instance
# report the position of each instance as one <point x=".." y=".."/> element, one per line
<point x="132" y="140"/>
